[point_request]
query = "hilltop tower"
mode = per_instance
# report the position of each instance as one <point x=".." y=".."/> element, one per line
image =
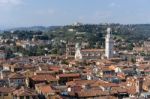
<point x="109" y="43"/>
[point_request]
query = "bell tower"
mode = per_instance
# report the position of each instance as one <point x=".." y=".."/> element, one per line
<point x="109" y="43"/>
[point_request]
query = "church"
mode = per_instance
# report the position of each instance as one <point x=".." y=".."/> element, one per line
<point x="94" y="54"/>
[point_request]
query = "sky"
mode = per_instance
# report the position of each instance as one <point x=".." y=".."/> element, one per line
<point x="24" y="13"/>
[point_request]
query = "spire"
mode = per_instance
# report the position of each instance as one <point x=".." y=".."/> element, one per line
<point x="108" y="30"/>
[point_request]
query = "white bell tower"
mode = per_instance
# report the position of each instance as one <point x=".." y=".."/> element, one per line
<point x="109" y="43"/>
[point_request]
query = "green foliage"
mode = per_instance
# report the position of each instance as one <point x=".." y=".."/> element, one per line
<point x="130" y="46"/>
<point x="92" y="33"/>
<point x="133" y="60"/>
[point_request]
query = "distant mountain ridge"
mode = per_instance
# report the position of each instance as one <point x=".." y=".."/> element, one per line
<point x="33" y="28"/>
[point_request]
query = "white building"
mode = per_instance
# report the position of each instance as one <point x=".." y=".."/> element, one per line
<point x="109" y="43"/>
<point x="87" y="54"/>
<point x="78" y="55"/>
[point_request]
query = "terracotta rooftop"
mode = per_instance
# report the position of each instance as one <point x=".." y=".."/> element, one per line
<point x="80" y="82"/>
<point x="92" y="83"/>
<point x="69" y="75"/>
<point x="131" y="90"/>
<point x="16" y="76"/>
<point x="46" y="89"/>
<point x="6" y="89"/>
<point x="89" y="93"/>
<point x="54" y="68"/>
<point x="43" y="78"/>
<point x="24" y="92"/>
<point x="118" y="90"/>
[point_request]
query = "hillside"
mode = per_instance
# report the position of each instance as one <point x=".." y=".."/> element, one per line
<point x="88" y="32"/>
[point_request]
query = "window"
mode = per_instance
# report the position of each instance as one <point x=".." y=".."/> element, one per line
<point x="27" y="97"/>
<point x="18" y="80"/>
<point x="5" y="94"/>
<point x="34" y="97"/>
<point x="148" y="96"/>
<point x="21" y="97"/>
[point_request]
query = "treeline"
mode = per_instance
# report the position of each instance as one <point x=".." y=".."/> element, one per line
<point x="91" y="33"/>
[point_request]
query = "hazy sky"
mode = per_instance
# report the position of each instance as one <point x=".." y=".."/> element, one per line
<point x="17" y="13"/>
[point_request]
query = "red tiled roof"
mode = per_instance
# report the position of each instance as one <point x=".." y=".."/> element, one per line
<point x="109" y="85"/>
<point x="6" y="89"/>
<point x="46" y="89"/>
<point x="54" y="68"/>
<point x="43" y="78"/>
<point x="118" y="90"/>
<point x="69" y="75"/>
<point x="89" y="93"/>
<point x="131" y="90"/>
<point x="86" y="82"/>
<point x="16" y="76"/>
<point x="25" y="92"/>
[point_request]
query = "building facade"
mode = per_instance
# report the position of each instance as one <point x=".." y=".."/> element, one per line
<point x="70" y="50"/>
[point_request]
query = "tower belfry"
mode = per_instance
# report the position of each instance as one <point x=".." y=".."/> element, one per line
<point x="109" y="43"/>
